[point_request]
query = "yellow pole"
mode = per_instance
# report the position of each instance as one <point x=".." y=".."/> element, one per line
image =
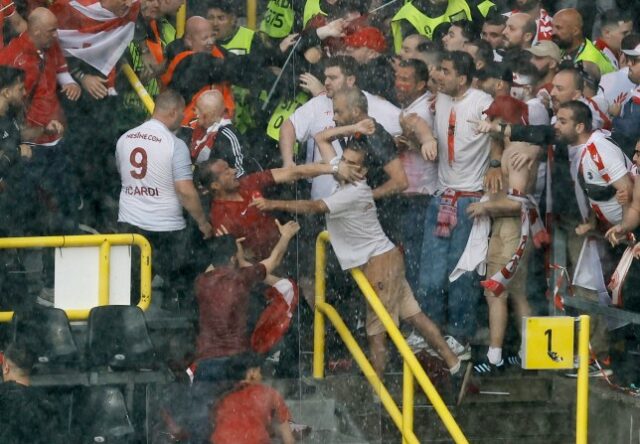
<point x="104" y="273"/>
<point x="318" y="318"/>
<point x="423" y="380"/>
<point x="181" y="19"/>
<point x="367" y="369"/>
<point x="407" y="401"/>
<point x="252" y="14"/>
<point x="137" y="86"/>
<point x="582" y="401"/>
<point x="145" y="270"/>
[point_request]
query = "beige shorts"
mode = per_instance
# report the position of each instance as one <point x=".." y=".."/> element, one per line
<point x="505" y="238"/>
<point x="386" y="274"/>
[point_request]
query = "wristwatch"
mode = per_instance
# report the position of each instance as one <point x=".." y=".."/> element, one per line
<point x="495" y="163"/>
<point x="335" y="163"/>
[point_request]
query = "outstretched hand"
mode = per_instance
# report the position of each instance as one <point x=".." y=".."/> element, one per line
<point x="288" y="230"/>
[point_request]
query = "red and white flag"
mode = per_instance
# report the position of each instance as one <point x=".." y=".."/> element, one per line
<point x="93" y="34"/>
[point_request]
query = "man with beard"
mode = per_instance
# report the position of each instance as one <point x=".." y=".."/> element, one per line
<point x="546" y="58"/>
<point x="568" y="35"/>
<point x="519" y="32"/>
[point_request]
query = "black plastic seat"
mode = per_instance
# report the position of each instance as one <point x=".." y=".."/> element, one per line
<point x="118" y="339"/>
<point x="100" y="415"/>
<point x="46" y="332"/>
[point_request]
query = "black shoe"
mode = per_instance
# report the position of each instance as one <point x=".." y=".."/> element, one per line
<point x="485" y="368"/>
<point x="514" y="361"/>
<point x="460" y="382"/>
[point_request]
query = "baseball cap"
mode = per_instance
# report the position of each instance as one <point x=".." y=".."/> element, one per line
<point x="635" y="52"/>
<point x="368" y="37"/>
<point x="546" y="48"/>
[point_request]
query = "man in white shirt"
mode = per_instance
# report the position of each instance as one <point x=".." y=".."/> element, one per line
<point x="156" y="177"/>
<point x="317" y="115"/>
<point x="412" y="77"/>
<point x="358" y="240"/>
<point x="463" y="159"/>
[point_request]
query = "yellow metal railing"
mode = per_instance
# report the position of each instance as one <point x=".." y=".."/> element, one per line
<point x="181" y="20"/>
<point x="252" y="12"/>
<point x="582" y="398"/>
<point x="411" y="367"/>
<point x="105" y="242"/>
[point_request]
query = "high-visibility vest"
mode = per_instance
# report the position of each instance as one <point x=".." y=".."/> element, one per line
<point x="167" y="31"/>
<point x="279" y="19"/>
<point x="241" y="41"/>
<point x="590" y="53"/>
<point x="155" y="45"/>
<point x="282" y="112"/>
<point x="311" y="9"/>
<point x="223" y="87"/>
<point x="424" y="25"/>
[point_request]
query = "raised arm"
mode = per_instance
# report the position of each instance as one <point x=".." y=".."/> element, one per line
<point x="324" y="138"/>
<point x="287" y="232"/>
<point x="291" y="206"/>
<point x="307" y="171"/>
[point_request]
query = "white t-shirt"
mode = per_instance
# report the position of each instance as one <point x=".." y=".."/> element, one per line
<point x="538" y="113"/>
<point x="613" y="84"/>
<point x="422" y="174"/>
<point x="465" y="172"/>
<point x="317" y="115"/>
<point x="150" y="159"/>
<point x="354" y="228"/>
<point x="603" y="164"/>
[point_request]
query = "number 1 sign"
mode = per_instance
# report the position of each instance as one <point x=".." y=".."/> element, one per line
<point x="548" y="342"/>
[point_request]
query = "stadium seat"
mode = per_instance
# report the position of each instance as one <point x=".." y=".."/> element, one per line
<point x="47" y="333"/>
<point x="100" y="415"/>
<point x="118" y="339"/>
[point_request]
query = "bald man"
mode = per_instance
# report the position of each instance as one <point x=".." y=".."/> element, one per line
<point x="215" y="134"/>
<point x="197" y="64"/>
<point x="568" y="35"/>
<point x="519" y="31"/>
<point x="38" y="53"/>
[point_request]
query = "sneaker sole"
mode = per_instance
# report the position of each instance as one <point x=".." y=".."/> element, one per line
<point x="465" y="383"/>
<point x="465" y="356"/>
<point x="599" y="374"/>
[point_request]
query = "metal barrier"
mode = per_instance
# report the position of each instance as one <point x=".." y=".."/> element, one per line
<point x="104" y="241"/>
<point x="411" y="367"/>
<point x="181" y="20"/>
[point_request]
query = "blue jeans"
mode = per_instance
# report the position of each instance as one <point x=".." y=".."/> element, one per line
<point x="439" y="298"/>
<point x="412" y="212"/>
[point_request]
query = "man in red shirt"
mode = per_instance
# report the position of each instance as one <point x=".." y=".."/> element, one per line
<point x="246" y="413"/>
<point x="38" y="53"/>
<point x="231" y="199"/>
<point x="223" y="295"/>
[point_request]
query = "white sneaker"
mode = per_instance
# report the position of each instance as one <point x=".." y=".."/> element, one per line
<point x="416" y="342"/>
<point x="463" y="352"/>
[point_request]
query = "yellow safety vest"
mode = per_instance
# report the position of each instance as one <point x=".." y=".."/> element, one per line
<point x="278" y="20"/>
<point x="424" y="25"/>
<point x="167" y="31"/>
<point x="592" y="54"/>
<point x="311" y="9"/>
<point x="241" y="41"/>
<point x="130" y="98"/>
<point x="282" y="112"/>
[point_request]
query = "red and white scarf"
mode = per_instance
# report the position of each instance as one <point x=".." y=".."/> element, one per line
<point x="93" y="34"/>
<point x="530" y="222"/>
<point x="619" y="276"/>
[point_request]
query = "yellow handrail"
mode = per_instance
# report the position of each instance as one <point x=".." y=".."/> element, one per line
<point x="582" y="398"/>
<point x="181" y="20"/>
<point x="410" y="362"/>
<point x="252" y="14"/>
<point x="138" y="87"/>
<point x="105" y="242"/>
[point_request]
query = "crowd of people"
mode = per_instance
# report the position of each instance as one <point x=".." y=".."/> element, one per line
<point x="442" y="143"/>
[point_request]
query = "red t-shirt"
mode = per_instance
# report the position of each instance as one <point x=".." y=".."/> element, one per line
<point x="223" y="299"/>
<point x="258" y="228"/>
<point x="244" y="415"/>
<point x="44" y="106"/>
